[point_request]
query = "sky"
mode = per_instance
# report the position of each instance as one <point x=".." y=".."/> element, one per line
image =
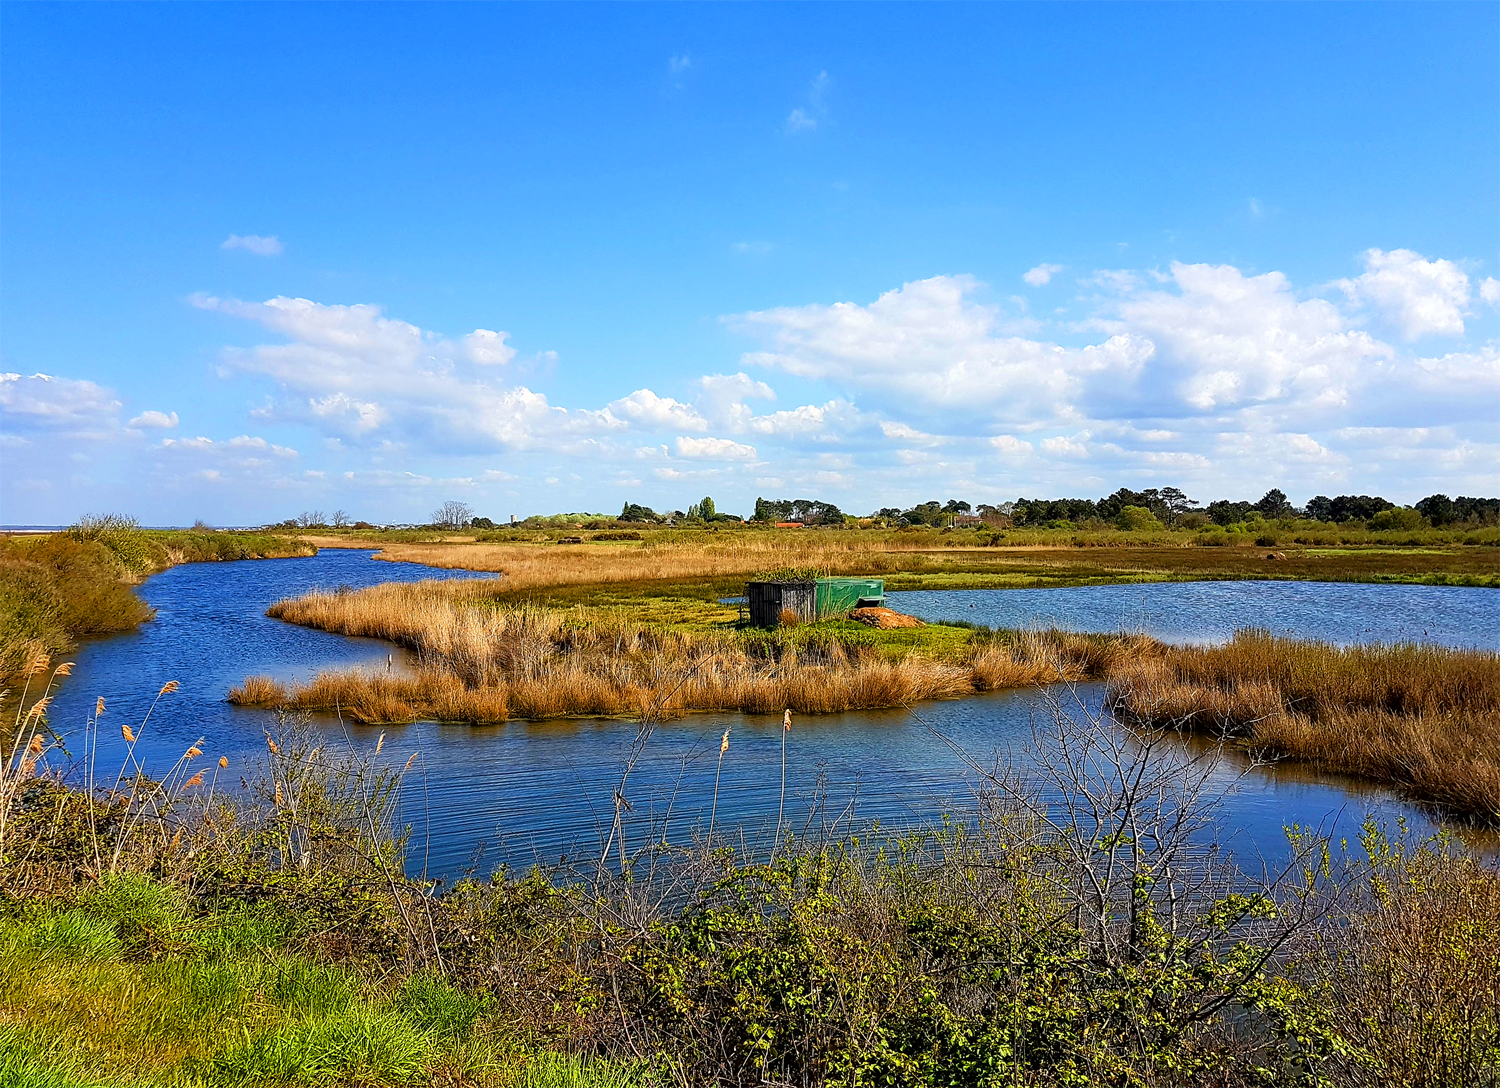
<point x="258" y="260"/>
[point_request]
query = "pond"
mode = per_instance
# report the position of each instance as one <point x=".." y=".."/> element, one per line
<point x="521" y="792"/>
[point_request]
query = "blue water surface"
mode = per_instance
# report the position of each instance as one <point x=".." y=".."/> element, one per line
<point x="1204" y="612"/>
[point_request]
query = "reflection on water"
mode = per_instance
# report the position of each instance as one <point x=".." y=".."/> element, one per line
<point x="524" y="792"/>
<point x="1197" y="612"/>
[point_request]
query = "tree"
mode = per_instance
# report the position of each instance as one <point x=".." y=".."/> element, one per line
<point x="1274" y="504"/>
<point x="481" y="523"/>
<point x="703" y="510"/>
<point x="452" y="515"/>
<point x="1176" y="502"/>
<point x="636" y="512"/>
<point x="802" y="511"/>
<point x="1438" y="509"/>
<point x="340" y="519"/>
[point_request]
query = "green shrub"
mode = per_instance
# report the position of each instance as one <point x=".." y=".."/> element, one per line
<point x="1137" y="518"/>
<point x="1398" y="517"/>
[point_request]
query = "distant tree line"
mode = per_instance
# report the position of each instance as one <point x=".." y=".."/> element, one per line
<point x="1125" y="508"/>
<point x="802" y="511"/>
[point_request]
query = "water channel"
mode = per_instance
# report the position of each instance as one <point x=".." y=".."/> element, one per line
<point x="521" y="792"/>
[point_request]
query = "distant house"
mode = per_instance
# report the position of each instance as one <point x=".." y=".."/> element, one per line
<point x="790" y="525"/>
<point x="967" y="521"/>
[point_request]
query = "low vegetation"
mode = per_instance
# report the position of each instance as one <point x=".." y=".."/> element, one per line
<point x="536" y="564"/>
<point x="484" y="662"/>
<point x="156" y="933"/>
<point x="58" y="587"/>
<point x="1422" y="718"/>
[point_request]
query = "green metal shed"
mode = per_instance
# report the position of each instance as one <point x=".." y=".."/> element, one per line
<point x="837" y="596"/>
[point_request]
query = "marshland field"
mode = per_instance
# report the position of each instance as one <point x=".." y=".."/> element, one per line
<point x="495" y="808"/>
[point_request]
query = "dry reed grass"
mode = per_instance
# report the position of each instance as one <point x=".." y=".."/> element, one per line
<point x="1423" y="718"/>
<point x="530" y="566"/>
<point x="481" y="662"/>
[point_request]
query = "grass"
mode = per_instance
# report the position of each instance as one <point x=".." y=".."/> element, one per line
<point x="223" y="1002"/>
<point x="931" y="559"/>
<point x="1422" y="718"/>
<point x="484" y="661"/>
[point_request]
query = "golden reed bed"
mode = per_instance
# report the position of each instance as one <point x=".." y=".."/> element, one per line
<point x="482" y="662"/>
<point x="1425" y="719"/>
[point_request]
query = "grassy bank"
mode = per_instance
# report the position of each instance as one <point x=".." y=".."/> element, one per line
<point x="276" y="941"/>
<point x="56" y="588"/>
<point x="1424" y="719"/>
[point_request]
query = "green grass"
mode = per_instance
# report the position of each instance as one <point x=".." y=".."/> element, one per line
<point x="125" y="986"/>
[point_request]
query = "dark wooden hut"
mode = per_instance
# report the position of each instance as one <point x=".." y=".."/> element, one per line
<point x="768" y="600"/>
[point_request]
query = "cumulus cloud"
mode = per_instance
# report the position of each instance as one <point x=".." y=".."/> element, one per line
<point x="658" y="413"/>
<point x="488" y="348"/>
<point x="932" y="344"/>
<point x="357" y="373"/>
<point x="715" y="449"/>
<point x="66" y="406"/>
<point x="154" y="419"/>
<point x="1224" y="339"/>
<point x="1042" y="274"/>
<point x="1419" y="297"/>
<point x="262" y="245"/>
<point x="1011" y="446"/>
<point x="1489" y="290"/>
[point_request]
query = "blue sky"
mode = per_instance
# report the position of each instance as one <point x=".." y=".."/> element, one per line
<point x="262" y="259"/>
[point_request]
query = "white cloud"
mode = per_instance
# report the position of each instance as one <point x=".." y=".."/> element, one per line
<point x="262" y="245"/>
<point x="1011" y="446"/>
<point x="929" y="344"/>
<point x="68" y="406"/>
<point x="162" y="420"/>
<point x="722" y="397"/>
<point x="1063" y="446"/>
<point x="1225" y="339"/>
<point x="678" y="65"/>
<point x="1419" y="297"/>
<point x="1489" y="290"/>
<point x="645" y="408"/>
<point x="1042" y="274"/>
<point x="805" y="118"/>
<point x="715" y="449"/>
<point x="488" y="348"/>
<point x="353" y="371"/>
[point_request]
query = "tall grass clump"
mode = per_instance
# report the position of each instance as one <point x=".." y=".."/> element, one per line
<point x="482" y="661"/>
<point x="1423" y="718"/>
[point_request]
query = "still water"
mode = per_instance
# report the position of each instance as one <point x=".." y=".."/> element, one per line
<point x="1200" y="612"/>
<point x="520" y="792"/>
